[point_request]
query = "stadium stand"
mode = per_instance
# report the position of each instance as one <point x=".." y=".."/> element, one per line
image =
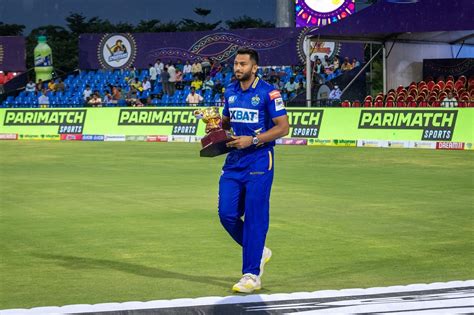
<point x="427" y="93"/>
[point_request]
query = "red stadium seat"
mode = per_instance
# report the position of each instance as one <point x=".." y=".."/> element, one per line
<point x="367" y="104"/>
<point x="346" y="103"/>
<point x="390" y="103"/>
<point x="431" y="85"/>
<point x="356" y="103"/>
<point x="441" y="85"/>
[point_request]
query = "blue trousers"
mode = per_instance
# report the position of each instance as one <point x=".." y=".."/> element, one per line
<point x="244" y="191"/>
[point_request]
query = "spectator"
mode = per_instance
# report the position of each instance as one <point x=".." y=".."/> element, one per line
<point x="301" y="86"/>
<point x="218" y="87"/>
<point x="179" y="65"/>
<point x="335" y="94"/>
<point x="146" y="85"/>
<point x="153" y="73"/>
<point x="355" y="63"/>
<point x="136" y="85"/>
<point x="159" y="66"/>
<point x="148" y="101"/>
<point x="318" y="67"/>
<point x="108" y="99"/>
<point x="215" y="68"/>
<point x="221" y="101"/>
<point x="327" y="62"/>
<point x="206" y="67"/>
<point x="449" y="101"/>
<point x="133" y="75"/>
<point x="59" y="86"/>
<point x="194" y="98"/>
<point x="277" y="84"/>
<point x="196" y="69"/>
<point x="172" y="79"/>
<point x="30" y="87"/>
<point x="346" y="66"/>
<point x="86" y="94"/>
<point x="197" y="83"/>
<point x="51" y="85"/>
<point x="132" y="97"/>
<point x="43" y="100"/>
<point x="179" y="80"/>
<point x="116" y="94"/>
<point x="165" y="78"/>
<point x="187" y="68"/>
<point x="336" y="62"/>
<point x="291" y="85"/>
<point x="95" y="101"/>
<point x="208" y="84"/>
<point x="39" y="85"/>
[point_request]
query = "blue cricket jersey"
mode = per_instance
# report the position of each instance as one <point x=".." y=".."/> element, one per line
<point x="251" y="111"/>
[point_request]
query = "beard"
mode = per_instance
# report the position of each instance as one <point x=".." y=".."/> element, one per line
<point x="244" y="76"/>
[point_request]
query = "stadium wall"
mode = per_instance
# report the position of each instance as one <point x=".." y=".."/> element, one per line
<point x="396" y="127"/>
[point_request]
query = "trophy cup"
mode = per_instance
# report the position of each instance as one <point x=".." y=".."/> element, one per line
<point x="214" y="143"/>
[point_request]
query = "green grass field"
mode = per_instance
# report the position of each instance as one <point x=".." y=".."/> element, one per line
<point x="91" y="222"/>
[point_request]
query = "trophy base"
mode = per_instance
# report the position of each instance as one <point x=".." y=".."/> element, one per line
<point x="214" y="144"/>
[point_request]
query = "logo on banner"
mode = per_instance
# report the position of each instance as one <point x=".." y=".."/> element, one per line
<point x="117" y="51"/>
<point x="69" y="121"/>
<point x="305" y="123"/>
<point x="182" y="120"/>
<point x="243" y="115"/>
<point x="436" y="124"/>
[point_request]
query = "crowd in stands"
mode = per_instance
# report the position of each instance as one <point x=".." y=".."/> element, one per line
<point x="445" y="92"/>
<point x="162" y="84"/>
<point x="329" y="68"/>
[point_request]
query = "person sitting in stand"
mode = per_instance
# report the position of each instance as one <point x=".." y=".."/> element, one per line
<point x="449" y="100"/>
<point x="355" y="63"/>
<point x="51" y="85"/>
<point x="108" y="100"/>
<point x="193" y="98"/>
<point x="30" y="87"/>
<point x="291" y="86"/>
<point x="146" y="85"/>
<point x="95" y="101"/>
<point x="208" y="84"/>
<point x="346" y="65"/>
<point x="187" y="68"/>
<point x="197" y="83"/>
<point x="59" y="86"/>
<point x="43" y="100"/>
<point x="136" y="85"/>
<point x="86" y="94"/>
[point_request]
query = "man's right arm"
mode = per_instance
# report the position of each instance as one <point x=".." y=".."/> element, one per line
<point x="225" y="123"/>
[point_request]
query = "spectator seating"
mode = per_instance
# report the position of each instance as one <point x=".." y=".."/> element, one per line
<point x="422" y="94"/>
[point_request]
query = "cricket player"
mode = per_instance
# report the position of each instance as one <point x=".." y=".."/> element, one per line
<point x="256" y="113"/>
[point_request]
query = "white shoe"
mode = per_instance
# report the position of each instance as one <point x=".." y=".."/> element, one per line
<point x="266" y="255"/>
<point x="247" y="284"/>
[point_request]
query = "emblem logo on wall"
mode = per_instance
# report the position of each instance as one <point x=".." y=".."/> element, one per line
<point x="117" y="51"/>
<point x="318" y="49"/>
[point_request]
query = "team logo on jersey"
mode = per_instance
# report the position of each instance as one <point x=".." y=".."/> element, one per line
<point x="255" y="100"/>
<point x="232" y="99"/>
<point x="243" y="115"/>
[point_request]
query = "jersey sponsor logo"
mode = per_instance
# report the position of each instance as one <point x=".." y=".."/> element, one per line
<point x="279" y="104"/>
<point x="232" y="99"/>
<point x="255" y="100"/>
<point x="274" y="94"/>
<point x="243" y="115"/>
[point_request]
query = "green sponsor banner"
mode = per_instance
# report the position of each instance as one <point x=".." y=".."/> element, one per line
<point x="415" y="124"/>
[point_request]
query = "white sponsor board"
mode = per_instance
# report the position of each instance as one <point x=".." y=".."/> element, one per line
<point x="372" y="143"/>
<point x="179" y="138"/>
<point x="114" y="138"/>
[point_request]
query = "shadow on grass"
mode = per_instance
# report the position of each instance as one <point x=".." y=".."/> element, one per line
<point x="73" y="262"/>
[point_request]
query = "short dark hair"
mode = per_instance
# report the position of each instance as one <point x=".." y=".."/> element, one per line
<point x="248" y="51"/>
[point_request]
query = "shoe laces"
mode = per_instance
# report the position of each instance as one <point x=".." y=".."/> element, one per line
<point x="248" y="276"/>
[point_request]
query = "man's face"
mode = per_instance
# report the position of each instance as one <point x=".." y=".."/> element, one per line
<point x="244" y="67"/>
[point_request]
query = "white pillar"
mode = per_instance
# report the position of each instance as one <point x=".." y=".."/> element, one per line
<point x="384" y="65"/>
<point x="308" y="71"/>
